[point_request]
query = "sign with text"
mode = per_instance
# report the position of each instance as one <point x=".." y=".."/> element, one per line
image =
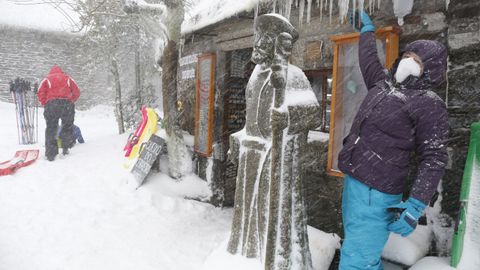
<point x="205" y="91"/>
<point x="148" y="154"/>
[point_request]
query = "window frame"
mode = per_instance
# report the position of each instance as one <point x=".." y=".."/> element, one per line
<point x="391" y="36"/>
<point x="210" y="105"/>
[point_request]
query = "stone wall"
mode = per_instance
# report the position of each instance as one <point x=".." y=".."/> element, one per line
<point x="31" y="53"/>
<point x="463" y="18"/>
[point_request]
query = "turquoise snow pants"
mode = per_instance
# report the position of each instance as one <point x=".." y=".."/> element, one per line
<point x="365" y="220"/>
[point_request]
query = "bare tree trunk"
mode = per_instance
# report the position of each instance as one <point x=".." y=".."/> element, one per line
<point x="169" y="85"/>
<point x="179" y="158"/>
<point x="118" y="96"/>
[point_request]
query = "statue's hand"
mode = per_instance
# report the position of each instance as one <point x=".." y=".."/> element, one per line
<point x="279" y="119"/>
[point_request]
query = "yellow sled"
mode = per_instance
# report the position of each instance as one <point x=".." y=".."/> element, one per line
<point x="150" y="129"/>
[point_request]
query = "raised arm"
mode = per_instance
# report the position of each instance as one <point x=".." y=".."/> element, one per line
<point x="372" y="69"/>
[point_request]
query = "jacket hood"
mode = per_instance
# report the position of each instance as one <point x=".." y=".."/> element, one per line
<point x="434" y="57"/>
<point x="55" y="70"/>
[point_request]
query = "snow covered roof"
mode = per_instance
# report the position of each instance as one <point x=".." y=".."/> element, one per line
<point x="208" y="12"/>
<point x="37" y="14"/>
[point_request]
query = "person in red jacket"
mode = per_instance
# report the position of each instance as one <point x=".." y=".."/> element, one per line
<point x="58" y="93"/>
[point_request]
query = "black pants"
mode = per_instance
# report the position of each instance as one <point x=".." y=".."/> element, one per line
<point x="54" y="110"/>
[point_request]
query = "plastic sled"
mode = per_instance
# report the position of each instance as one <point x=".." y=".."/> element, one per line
<point x="21" y="159"/>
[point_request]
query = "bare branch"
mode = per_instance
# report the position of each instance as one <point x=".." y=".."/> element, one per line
<point x="142" y="7"/>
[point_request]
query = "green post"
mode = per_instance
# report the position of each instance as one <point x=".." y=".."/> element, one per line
<point x="473" y="160"/>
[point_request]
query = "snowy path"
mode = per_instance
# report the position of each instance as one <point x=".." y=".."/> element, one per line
<point x="78" y="213"/>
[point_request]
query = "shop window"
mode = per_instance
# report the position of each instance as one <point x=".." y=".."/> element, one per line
<point x="321" y="82"/>
<point x="348" y="87"/>
<point x="238" y="71"/>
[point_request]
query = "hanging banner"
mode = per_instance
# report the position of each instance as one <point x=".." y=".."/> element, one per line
<point x="205" y="96"/>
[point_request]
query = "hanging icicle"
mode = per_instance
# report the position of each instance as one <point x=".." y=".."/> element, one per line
<point x="321" y="10"/>
<point x="343" y="8"/>
<point x="354" y="8"/>
<point x="330" y="11"/>
<point x="401" y="9"/>
<point x="309" y="10"/>
<point x="301" y="10"/>
<point x="361" y="5"/>
<point x="274" y="6"/>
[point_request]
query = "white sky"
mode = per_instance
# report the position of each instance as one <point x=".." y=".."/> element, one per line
<point x="38" y="16"/>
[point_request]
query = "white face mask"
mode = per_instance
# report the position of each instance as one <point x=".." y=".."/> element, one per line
<point x="406" y="67"/>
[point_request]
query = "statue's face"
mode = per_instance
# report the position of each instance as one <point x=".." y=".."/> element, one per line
<point x="263" y="48"/>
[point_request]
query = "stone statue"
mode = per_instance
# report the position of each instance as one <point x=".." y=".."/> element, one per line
<point x="269" y="219"/>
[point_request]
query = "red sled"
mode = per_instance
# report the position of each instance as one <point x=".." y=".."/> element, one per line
<point x="22" y="158"/>
<point x="133" y="138"/>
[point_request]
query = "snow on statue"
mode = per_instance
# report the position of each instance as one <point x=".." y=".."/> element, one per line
<point x="269" y="220"/>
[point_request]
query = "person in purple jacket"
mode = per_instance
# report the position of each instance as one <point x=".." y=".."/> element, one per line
<point x="399" y="115"/>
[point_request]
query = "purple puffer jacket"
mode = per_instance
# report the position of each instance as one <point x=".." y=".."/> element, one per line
<point x="395" y="120"/>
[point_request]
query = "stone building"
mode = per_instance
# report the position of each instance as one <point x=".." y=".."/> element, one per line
<point x="228" y="40"/>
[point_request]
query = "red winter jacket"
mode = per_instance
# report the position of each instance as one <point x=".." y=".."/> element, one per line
<point x="57" y="85"/>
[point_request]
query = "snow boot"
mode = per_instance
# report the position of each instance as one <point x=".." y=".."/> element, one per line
<point x="65" y="151"/>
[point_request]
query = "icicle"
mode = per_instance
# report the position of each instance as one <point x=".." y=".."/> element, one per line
<point x="301" y="11"/>
<point x="361" y="6"/>
<point x="401" y="9"/>
<point x="321" y="10"/>
<point x="378" y="4"/>
<point x="354" y="8"/>
<point x="343" y="6"/>
<point x="318" y="3"/>
<point x="309" y="10"/>
<point x="274" y="6"/>
<point x="326" y="5"/>
<point x="288" y="8"/>
<point x="330" y="11"/>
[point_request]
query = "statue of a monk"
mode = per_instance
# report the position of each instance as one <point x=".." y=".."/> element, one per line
<point x="269" y="219"/>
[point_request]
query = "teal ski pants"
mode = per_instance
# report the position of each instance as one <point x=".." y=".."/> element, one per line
<point x="365" y="220"/>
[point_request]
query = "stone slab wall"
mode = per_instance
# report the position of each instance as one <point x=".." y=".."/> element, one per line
<point x="463" y="18"/>
<point x="30" y="54"/>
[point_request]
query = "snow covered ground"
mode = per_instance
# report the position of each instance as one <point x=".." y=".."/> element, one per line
<point x="78" y="212"/>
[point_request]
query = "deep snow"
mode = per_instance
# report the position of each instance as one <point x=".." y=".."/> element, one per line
<point x="78" y="212"/>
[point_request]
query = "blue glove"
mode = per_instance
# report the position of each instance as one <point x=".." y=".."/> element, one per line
<point x="362" y="22"/>
<point x="410" y="211"/>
